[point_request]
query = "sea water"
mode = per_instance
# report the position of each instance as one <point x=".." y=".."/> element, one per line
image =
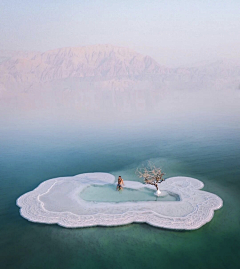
<point x="37" y="145"/>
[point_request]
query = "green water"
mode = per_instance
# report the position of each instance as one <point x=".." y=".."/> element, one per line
<point x="108" y="193"/>
<point x="36" y="148"/>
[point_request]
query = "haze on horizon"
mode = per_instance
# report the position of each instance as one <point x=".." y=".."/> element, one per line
<point x="173" y="32"/>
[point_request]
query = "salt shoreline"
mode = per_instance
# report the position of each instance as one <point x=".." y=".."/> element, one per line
<point x="57" y="201"/>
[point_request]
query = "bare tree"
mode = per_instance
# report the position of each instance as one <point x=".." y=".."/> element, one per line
<point x="151" y="174"/>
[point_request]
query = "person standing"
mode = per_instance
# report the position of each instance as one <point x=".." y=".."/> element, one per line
<point x="120" y="183"/>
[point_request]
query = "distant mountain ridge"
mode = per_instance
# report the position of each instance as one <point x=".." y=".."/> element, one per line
<point x="101" y="62"/>
<point x="108" y="67"/>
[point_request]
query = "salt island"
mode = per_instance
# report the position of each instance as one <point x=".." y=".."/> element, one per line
<point x="91" y="199"/>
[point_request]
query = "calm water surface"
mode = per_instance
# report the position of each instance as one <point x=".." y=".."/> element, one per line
<point x="108" y="193"/>
<point x="38" y="145"/>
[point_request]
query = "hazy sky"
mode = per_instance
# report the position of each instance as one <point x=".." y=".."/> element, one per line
<point x="174" y="32"/>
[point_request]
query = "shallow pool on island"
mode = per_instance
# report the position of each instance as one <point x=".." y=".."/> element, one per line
<point x="108" y="193"/>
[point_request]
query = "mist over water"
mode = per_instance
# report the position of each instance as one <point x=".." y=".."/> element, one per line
<point x="64" y="108"/>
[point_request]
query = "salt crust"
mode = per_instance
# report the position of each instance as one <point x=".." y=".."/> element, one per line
<point x="58" y="201"/>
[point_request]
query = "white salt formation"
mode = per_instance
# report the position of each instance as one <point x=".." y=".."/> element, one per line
<point x="60" y="201"/>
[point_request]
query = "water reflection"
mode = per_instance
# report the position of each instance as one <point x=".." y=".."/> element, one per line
<point x="84" y="105"/>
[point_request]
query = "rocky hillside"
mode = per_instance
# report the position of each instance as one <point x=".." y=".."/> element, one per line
<point x="95" y="63"/>
<point x="107" y="67"/>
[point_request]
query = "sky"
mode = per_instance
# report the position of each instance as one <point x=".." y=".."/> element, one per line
<point x="173" y="32"/>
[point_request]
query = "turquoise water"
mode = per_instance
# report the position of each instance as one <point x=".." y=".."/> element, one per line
<point x="38" y="146"/>
<point x="108" y="193"/>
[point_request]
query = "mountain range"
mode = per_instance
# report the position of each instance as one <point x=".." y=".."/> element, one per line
<point x="107" y="67"/>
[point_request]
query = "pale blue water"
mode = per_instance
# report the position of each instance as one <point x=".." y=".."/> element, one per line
<point x="108" y="193"/>
<point x="41" y="146"/>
